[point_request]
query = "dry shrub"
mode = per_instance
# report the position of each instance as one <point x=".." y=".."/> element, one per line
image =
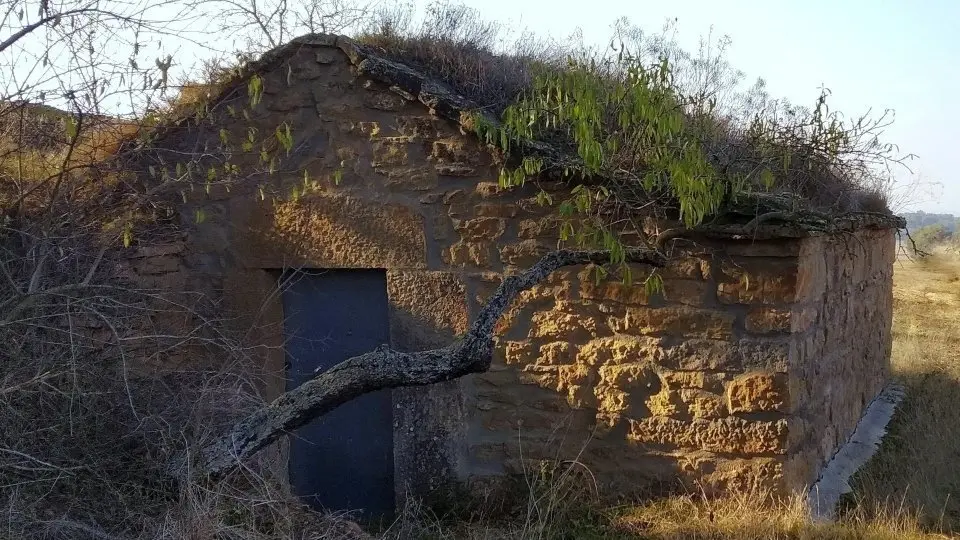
<point x="836" y="165"/>
<point x="456" y="45"/>
<point x="105" y="379"/>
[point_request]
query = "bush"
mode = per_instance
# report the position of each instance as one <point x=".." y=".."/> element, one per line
<point x="733" y="141"/>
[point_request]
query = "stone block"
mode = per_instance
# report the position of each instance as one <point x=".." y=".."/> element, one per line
<point x="427" y="309"/>
<point x="520" y="352"/>
<point x="390" y="152"/>
<point x="524" y="253"/>
<point x="686" y="267"/>
<point x="758" y="281"/>
<point x="728" y="435"/>
<point x="620" y="349"/>
<point x="547" y="227"/>
<point x="721" y="355"/>
<point x="496" y="209"/>
<point x="484" y="229"/>
<point x="329" y="232"/>
<point x="384" y="101"/>
<point x="687" y="379"/>
<point x="665" y="403"/>
<point x="556" y="353"/>
<point x="757" y="392"/>
<point x="555" y="325"/>
<point x="765" y="320"/>
<point x="469" y="253"/>
<point x="742" y="475"/>
<point x="455" y="169"/>
<point x="687" y="291"/>
<point x="488" y="190"/>
<point x="418" y="127"/>
<point x="611" y="289"/>
<point x="674" y="321"/>
<point x="575" y="381"/>
<point x="701" y="404"/>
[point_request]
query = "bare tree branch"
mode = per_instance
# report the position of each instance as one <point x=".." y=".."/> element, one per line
<point x="385" y="368"/>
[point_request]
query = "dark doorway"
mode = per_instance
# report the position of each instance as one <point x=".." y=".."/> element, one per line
<point x="344" y="460"/>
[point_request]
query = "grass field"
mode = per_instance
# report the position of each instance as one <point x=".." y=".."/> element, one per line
<point x="911" y="489"/>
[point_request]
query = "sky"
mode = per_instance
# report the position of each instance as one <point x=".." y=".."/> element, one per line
<point x="884" y="54"/>
<point x="881" y="54"/>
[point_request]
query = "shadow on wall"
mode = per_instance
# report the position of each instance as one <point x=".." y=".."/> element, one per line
<point x="330" y="232"/>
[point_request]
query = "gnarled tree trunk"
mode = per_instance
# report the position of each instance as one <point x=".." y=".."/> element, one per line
<point x="385" y="368"/>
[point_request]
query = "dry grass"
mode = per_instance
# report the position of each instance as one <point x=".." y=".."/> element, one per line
<point x="917" y="466"/>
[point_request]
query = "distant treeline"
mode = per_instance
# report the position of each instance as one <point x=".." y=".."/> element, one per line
<point x="918" y="220"/>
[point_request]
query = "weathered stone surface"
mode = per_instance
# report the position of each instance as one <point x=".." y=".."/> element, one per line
<point x="556" y="326"/>
<point x="758" y="281"/>
<point x="625" y="390"/>
<point x="520" y="352"/>
<point x="556" y="353"/>
<point x="458" y="150"/>
<point x="480" y="229"/>
<point x="524" y="253"/>
<point x="419" y="127"/>
<point x="757" y="392"/>
<point x="687" y="267"/>
<point x="690" y="379"/>
<point x="766" y="320"/>
<point x="335" y="232"/>
<point x="741" y="475"/>
<point x="701" y="404"/>
<point x="575" y="381"/>
<point x="666" y="402"/>
<point x="385" y="101"/>
<point x="611" y="289"/>
<point x="743" y="354"/>
<point x="390" y="151"/>
<point x="728" y="435"/>
<point x="674" y="321"/>
<point x="428" y="309"/>
<point x="545" y="227"/>
<point x="687" y="291"/>
<point x="620" y="349"/>
<point x="469" y="253"/>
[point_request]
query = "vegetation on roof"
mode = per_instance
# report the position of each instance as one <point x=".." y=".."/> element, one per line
<point x="654" y="131"/>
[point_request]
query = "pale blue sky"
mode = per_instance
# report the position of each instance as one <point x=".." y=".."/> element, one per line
<point x="881" y="54"/>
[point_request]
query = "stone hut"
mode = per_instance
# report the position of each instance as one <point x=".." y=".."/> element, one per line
<point x="748" y="371"/>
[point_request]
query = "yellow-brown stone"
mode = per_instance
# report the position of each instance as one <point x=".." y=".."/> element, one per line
<point x="469" y="253"/>
<point x="765" y="320"/>
<point x="620" y="349"/>
<point x="728" y="435"/>
<point x="484" y="229"/>
<point x="757" y="392"/>
<point x="701" y="404"/>
<point x="558" y="352"/>
<point x="674" y="321"/>
<point x="556" y="326"/>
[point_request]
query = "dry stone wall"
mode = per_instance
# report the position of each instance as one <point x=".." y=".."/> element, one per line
<point x="747" y="370"/>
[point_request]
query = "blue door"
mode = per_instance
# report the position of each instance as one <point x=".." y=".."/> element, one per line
<point x="344" y="460"/>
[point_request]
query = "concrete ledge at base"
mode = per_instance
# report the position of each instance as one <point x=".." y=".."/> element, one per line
<point x="854" y="454"/>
